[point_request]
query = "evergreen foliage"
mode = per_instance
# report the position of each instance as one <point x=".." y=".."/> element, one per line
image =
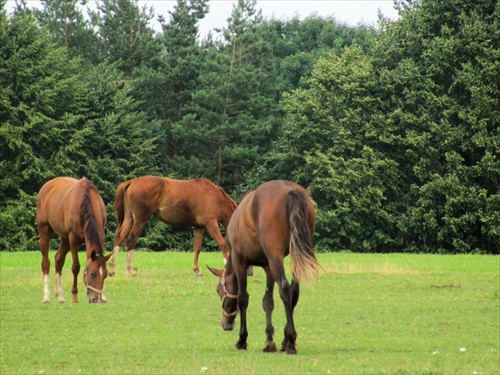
<point x="394" y="131"/>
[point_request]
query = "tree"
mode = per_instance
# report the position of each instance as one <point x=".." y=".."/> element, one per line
<point x="300" y="43"/>
<point x="235" y="112"/>
<point x="65" y="21"/>
<point x="400" y="148"/>
<point x="59" y="119"/>
<point x="330" y="144"/>
<point x="437" y="66"/>
<point x="124" y="33"/>
<point x="166" y="85"/>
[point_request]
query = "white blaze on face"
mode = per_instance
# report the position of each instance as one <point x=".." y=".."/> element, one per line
<point x="101" y="271"/>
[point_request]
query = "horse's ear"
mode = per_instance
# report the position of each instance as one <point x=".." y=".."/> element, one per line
<point x="215" y="271"/>
<point x="93" y="255"/>
<point x="106" y="258"/>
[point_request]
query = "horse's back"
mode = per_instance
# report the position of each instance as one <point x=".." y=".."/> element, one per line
<point x="177" y="202"/>
<point x="59" y="204"/>
<point x="52" y="200"/>
<point x="261" y="220"/>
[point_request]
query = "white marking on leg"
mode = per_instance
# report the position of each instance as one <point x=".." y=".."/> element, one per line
<point x="59" y="291"/>
<point x="130" y="255"/>
<point x="112" y="263"/>
<point x="46" y="290"/>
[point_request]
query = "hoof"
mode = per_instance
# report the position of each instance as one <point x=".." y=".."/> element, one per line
<point x="133" y="272"/>
<point x="289" y="349"/>
<point x="111" y="274"/>
<point x="270" y="347"/>
<point x="197" y="272"/>
<point x="46" y="301"/>
<point x="241" y="346"/>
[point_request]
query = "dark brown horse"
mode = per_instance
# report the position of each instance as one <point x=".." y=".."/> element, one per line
<point x="271" y="222"/>
<point x="198" y="203"/>
<point x="75" y="211"/>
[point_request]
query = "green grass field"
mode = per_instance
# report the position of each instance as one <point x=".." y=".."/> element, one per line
<point x="368" y="314"/>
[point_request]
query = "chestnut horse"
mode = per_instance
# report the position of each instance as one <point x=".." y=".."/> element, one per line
<point x="271" y="222"/>
<point x="198" y="203"/>
<point x="75" y="211"/>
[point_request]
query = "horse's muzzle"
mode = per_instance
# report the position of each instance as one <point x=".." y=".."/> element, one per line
<point x="227" y="325"/>
<point x="96" y="298"/>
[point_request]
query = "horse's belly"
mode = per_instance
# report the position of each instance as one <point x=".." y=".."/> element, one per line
<point x="175" y="217"/>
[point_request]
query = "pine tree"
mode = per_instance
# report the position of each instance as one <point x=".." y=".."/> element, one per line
<point x="124" y="33"/>
<point x="64" y="20"/>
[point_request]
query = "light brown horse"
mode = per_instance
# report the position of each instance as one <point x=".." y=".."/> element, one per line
<point x="198" y="203"/>
<point x="75" y="211"/>
<point x="271" y="222"/>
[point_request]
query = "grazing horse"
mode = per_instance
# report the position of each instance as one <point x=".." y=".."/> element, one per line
<point x="270" y="222"/>
<point x="197" y="202"/>
<point x="75" y="211"/>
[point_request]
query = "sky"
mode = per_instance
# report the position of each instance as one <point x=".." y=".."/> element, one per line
<point x="351" y="12"/>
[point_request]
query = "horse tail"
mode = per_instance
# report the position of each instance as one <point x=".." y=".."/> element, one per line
<point x="120" y="202"/>
<point x="304" y="264"/>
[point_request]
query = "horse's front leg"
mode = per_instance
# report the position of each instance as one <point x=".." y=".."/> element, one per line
<point x="60" y="257"/>
<point x="75" y="268"/>
<point x="243" y="299"/>
<point x="268" y="305"/>
<point x="45" y="235"/>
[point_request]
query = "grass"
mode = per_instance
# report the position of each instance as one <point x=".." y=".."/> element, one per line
<point x="368" y="314"/>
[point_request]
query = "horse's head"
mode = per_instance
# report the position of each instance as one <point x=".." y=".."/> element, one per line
<point x="93" y="277"/>
<point x="229" y="301"/>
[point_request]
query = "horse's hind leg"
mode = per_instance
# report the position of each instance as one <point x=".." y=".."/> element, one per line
<point x="131" y="241"/>
<point x="286" y="292"/>
<point x="294" y="293"/>
<point x="45" y="235"/>
<point x="268" y="305"/>
<point x="120" y="235"/>
<point x="60" y="258"/>
<point x="198" y="238"/>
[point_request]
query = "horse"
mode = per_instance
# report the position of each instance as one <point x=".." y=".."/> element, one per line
<point x="197" y="202"/>
<point x="275" y="220"/>
<point x="75" y="211"/>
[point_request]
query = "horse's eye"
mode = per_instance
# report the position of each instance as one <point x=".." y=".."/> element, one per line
<point x="92" y="274"/>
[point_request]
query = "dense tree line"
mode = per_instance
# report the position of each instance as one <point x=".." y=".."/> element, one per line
<point x="395" y="130"/>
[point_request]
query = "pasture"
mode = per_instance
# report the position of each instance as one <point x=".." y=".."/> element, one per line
<point x="367" y="314"/>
